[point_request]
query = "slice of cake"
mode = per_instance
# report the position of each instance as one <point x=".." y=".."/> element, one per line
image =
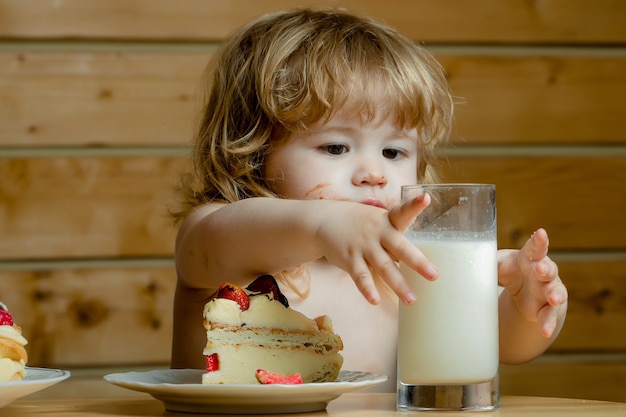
<point x="13" y="356"/>
<point x="253" y="329"/>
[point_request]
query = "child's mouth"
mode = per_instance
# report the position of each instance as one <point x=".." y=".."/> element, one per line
<point x="373" y="202"/>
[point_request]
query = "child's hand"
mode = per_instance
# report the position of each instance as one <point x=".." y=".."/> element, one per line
<point x="368" y="242"/>
<point x="532" y="279"/>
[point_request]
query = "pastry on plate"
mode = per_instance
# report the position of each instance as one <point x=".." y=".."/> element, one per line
<point x="253" y="336"/>
<point x="13" y="356"/>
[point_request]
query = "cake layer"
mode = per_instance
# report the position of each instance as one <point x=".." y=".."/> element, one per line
<point x="11" y="370"/>
<point x="238" y="364"/>
<point x="320" y="341"/>
<point x="13" y="350"/>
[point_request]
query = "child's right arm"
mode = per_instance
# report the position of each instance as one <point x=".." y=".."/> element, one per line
<point x="239" y="241"/>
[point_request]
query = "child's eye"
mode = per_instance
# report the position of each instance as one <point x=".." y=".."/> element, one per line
<point x="391" y="153"/>
<point x="334" y="149"/>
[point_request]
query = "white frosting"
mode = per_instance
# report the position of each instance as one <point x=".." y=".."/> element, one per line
<point x="222" y="310"/>
<point x="12" y="333"/>
<point x="263" y="312"/>
<point x="8" y="368"/>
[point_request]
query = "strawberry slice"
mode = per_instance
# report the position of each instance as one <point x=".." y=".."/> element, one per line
<point x="6" y="319"/>
<point x="212" y="362"/>
<point x="266" y="284"/>
<point x="234" y="292"/>
<point x="267" y="377"/>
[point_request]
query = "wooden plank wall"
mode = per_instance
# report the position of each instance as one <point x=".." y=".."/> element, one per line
<point x="97" y="102"/>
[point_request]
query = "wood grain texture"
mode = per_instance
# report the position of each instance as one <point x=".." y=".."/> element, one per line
<point x="88" y="317"/>
<point x="597" y="307"/>
<point x="95" y="95"/>
<point x="98" y="98"/>
<point x="538" y="99"/>
<point x="95" y="207"/>
<point x="569" y="376"/>
<point x="578" y="199"/>
<point x="118" y="206"/>
<point x="362" y="404"/>
<point x="140" y="98"/>
<point x="492" y="21"/>
<point x="112" y="315"/>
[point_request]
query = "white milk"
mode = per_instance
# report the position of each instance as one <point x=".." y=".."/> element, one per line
<point x="450" y="334"/>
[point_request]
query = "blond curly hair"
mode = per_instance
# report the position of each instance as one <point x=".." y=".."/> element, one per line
<point x="286" y="71"/>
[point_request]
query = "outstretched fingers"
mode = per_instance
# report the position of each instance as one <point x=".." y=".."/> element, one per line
<point x="381" y="262"/>
<point x="548" y="319"/>
<point x="384" y="266"/>
<point x="402" y="216"/>
<point x="364" y="280"/>
<point x="389" y="272"/>
<point x="407" y="253"/>
<point x="556" y="301"/>
<point x="549" y="292"/>
<point x="365" y="275"/>
<point x="536" y="248"/>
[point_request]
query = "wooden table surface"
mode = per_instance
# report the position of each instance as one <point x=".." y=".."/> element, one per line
<point x="352" y="404"/>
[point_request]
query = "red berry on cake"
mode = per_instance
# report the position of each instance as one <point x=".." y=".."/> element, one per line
<point x="212" y="363"/>
<point x="266" y="284"/>
<point x="6" y="319"/>
<point x="235" y="293"/>
<point x="266" y="377"/>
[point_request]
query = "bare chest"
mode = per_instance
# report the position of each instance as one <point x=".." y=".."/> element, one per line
<point x="369" y="332"/>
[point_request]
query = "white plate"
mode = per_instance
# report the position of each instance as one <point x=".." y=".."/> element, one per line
<point x="182" y="390"/>
<point x="36" y="379"/>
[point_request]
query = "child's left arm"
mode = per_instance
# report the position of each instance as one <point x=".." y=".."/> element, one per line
<point x="533" y="304"/>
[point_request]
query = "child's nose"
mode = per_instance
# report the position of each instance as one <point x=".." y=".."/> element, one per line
<point x="370" y="174"/>
<point x="374" y="178"/>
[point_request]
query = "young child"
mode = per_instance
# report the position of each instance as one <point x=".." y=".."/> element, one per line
<point x="313" y="122"/>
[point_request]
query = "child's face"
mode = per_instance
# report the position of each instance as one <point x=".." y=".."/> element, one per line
<point x="345" y="159"/>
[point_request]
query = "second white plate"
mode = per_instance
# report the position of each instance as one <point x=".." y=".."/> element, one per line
<point x="36" y="380"/>
<point x="182" y="390"/>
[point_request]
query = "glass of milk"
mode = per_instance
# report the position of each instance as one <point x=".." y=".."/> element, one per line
<point x="448" y="339"/>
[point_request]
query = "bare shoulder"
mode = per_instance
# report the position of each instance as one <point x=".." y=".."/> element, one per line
<point x="191" y="248"/>
<point x="195" y="217"/>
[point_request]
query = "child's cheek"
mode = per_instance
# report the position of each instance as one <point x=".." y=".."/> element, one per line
<point x="318" y="192"/>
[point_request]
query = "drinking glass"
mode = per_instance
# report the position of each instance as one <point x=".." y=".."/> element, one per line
<point x="448" y="339"/>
